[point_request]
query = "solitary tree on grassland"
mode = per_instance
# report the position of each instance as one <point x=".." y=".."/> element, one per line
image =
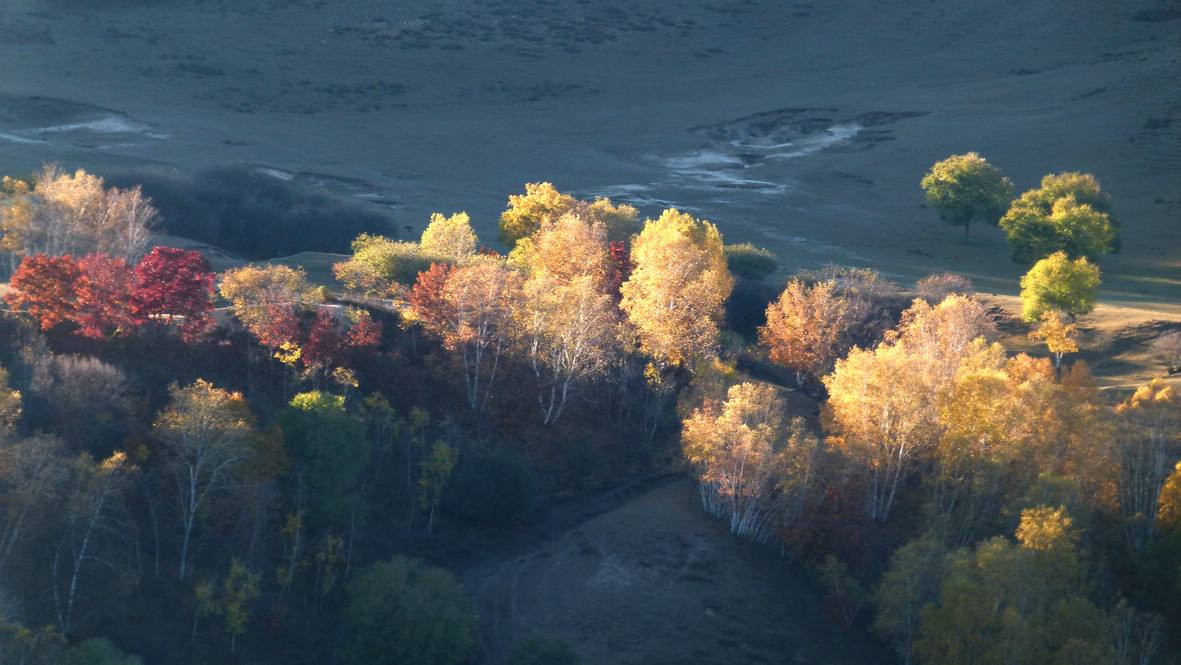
<point x="1057" y="282"/>
<point x="1068" y="213"/>
<point x="966" y="188"/>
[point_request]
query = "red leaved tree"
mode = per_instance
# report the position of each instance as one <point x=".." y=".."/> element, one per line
<point x="427" y="303"/>
<point x="280" y="326"/>
<point x="325" y="343"/>
<point x="365" y="333"/>
<point x="333" y="340"/>
<point x="104" y="297"/>
<point x="174" y="286"/>
<point x="46" y="287"/>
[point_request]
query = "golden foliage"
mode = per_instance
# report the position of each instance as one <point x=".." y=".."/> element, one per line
<point x="1045" y="529"/>
<point x="1060" y="337"/>
<point x="675" y="293"/>
<point x="450" y="238"/>
<point x="254" y="289"/>
<point x="809" y="327"/>
<point x="74" y="214"/>
<point x="1169" y="513"/>
<point x="542" y="202"/>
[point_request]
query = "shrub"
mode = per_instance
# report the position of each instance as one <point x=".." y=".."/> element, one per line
<point x="404" y="611"/>
<point x="934" y="288"/>
<point x="750" y="262"/>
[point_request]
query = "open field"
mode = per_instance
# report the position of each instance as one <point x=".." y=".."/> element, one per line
<point x="800" y="126"/>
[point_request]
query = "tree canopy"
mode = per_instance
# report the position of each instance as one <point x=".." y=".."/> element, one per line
<point x="966" y="188"/>
<point x="403" y="611"/>
<point x="675" y="292"/>
<point x="1059" y="283"/>
<point x="1068" y="213"/>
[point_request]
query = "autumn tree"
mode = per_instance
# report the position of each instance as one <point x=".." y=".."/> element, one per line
<point x="103" y="306"/>
<point x="1149" y="446"/>
<point x="998" y="420"/>
<point x="882" y="412"/>
<point x="751" y="460"/>
<point x="1016" y="603"/>
<point x="934" y="288"/>
<point x="76" y="214"/>
<point x="966" y="188"/>
<point x="1059" y="336"/>
<point x="428" y="304"/>
<point x="542" y="202"/>
<point x="883" y="403"/>
<point x="474" y="319"/>
<point x="1168" y="516"/>
<point x="942" y="334"/>
<point x="1059" y="283"/>
<point x="338" y="337"/>
<point x="174" y="287"/>
<point x="1067" y="213"/>
<point x="526" y="212"/>
<point x="450" y="238"/>
<point x="267" y="299"/>
<point x="47" y="288"/>
<point x="809" y="327"/>
<point x="675" y="293"/>
<point x="204" y="434"/>
<point x="566" y="320"/>
<point x="380" y="266"/>
<point x="620" y="220"/>
<point x="403" y="611"/>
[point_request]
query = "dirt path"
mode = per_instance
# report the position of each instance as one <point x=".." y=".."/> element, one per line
<point x="654" y="581"/>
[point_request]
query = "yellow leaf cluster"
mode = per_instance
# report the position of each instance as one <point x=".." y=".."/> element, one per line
<point x="677" y="288"/>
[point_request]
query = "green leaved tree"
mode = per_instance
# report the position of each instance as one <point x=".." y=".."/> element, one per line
<point x="966" y="188"/>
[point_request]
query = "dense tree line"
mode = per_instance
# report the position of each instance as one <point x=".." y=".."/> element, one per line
<point x="263" y="466"/>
